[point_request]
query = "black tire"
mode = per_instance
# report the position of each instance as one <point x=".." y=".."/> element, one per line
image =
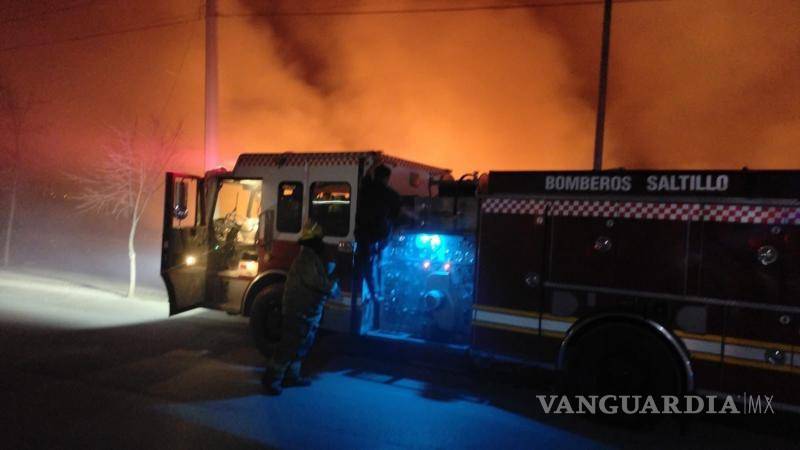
<point x="266" y="319"/>
<point x="620" y="358"/>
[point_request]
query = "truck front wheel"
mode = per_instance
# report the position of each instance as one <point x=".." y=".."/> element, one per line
<point x="266" y="318"/>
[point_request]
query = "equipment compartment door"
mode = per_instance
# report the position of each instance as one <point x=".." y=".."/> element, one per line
<point x="651" y="255"/>
<point x="743" y="262"/>
<point x="184" y="243"/>
<point x="510" y="277"/>
<point x="760" y="353"/>
<point x="583" y="250"/>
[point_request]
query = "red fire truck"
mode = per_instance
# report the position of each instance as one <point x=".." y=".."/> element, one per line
<point x="645" y="281"/>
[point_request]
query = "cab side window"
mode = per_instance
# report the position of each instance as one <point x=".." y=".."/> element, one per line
<point x="290" y="207"/>
<point x="330" y="206"/>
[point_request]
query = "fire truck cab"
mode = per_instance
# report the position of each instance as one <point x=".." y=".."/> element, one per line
<point x="230" y="237"/>
<point x="627" y="281"/>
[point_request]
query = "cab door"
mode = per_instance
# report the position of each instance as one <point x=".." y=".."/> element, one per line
<point x="184" y="246"/>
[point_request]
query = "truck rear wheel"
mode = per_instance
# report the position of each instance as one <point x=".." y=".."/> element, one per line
<point x="266" y="319"/>
<point x="621" y="358"/>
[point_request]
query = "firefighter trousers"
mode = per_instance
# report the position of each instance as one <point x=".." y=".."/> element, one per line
<point x="297" y="337"/>
<point x="367" y="259"/>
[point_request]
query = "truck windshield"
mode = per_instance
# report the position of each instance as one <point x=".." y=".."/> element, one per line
<point x="237" y="210"/>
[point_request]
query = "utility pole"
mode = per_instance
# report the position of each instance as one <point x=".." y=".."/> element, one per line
<point x="601" y="97"/>
<point x="210" y="141"/>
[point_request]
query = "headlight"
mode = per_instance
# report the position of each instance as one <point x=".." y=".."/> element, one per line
<point x="190" y="260"/>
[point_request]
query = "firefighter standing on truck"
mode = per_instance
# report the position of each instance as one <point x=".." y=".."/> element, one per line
<point x="308" y="284"/>
<point x="379" y="207"/>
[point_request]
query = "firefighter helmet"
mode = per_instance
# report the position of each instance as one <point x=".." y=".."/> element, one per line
<point x="311" y="230"/>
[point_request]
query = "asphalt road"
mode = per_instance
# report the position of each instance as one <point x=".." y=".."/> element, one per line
<point x="85" y="369"/>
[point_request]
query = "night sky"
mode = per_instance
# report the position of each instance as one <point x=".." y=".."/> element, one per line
<point x="707" y="83"/>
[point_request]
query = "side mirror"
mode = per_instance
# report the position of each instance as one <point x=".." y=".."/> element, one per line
<point x="180" y="208"/>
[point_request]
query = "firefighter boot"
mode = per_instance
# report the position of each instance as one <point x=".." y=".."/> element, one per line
<point x="272" y="379"/>
<point x="271" y="385"/>
<point x="296" y="382"/>
<point x="293" y="377"/>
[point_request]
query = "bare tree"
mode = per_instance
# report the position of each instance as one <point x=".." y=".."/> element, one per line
<point x="123" y="183"/>
<point x="15" y="122"/>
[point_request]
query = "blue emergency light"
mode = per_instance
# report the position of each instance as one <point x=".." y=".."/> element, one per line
<point x="416" y="267"/>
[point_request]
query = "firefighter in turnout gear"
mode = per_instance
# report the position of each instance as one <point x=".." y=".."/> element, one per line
<point x="308" y="284"/>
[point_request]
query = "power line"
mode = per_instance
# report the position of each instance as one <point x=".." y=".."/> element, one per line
<point x="307" y="13"/>
<point x="47" y="12"/>
<point x="425" y="10"/>
<point x="177" y="21"/>
<point x="189" y="41"/>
